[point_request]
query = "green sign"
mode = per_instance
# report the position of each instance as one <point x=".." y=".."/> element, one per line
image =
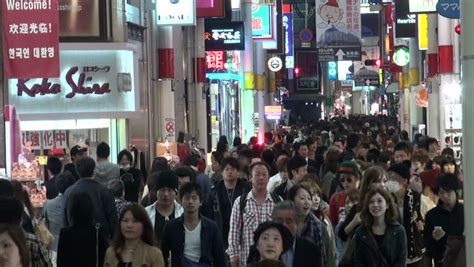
<point x="262" y="20"/>
<point x="401" y="56"/>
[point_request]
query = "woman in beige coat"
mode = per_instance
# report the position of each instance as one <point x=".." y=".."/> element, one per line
<point x="133" y="245"/>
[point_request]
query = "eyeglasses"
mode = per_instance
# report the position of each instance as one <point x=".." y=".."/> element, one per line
<point x="348" y="180"/>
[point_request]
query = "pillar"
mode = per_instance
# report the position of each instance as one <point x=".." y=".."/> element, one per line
<point x="467" y="55"/>
<point x="200" y="87"/>
<point x="260" y="86"/>
<point x="414" y="73"/>
<point x="433" y="127"/>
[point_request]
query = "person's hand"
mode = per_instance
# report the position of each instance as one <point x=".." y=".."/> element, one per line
<point x="420" y="225"/>
<point x="357" y="218"/>
<point x="234" y="261"/>
<point x="438" y="233"/>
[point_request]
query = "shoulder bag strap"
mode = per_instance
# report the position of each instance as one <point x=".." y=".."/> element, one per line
<point x="97" y="226"/>
<point x="379" y="251"/>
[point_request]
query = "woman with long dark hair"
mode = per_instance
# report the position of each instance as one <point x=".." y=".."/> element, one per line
<point x="134" y="243"/>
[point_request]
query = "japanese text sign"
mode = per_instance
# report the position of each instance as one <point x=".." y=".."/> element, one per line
<point x="30" y="38"/>
<point x="262" y="20"/>
<point x="215" y="61"/>
<point x="224" y="36"/>
<point x="289" y="54"/>
<point x="273" y="112"/>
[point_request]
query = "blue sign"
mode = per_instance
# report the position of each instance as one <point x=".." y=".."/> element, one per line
<point x="450" y="9"/>
<point x="289" y="54"/>
<point x="332" y="70"/>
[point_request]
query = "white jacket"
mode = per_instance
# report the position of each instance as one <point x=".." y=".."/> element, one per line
<point x="151" y="210"/>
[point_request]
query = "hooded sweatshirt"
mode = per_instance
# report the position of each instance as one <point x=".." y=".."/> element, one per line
<point x="106" y="171"/>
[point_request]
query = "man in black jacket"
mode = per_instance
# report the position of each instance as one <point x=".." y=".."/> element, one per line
<point x="105" y="211"/>
<point x="54" y="167"/>
<point x="297" y="169"/>
<point x="219" y="203"/>
<point x="446" y="219"/>
<point x="192" y="238"/>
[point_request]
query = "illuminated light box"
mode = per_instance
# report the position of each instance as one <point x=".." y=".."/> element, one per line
<point x="224" y="36"/>
<point x="262" y="20"/>
<point x="273" y="112"/>
<point x="175" y="12"/>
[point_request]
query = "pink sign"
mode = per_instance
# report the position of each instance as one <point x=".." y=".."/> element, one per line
<point x="30" y="38"/>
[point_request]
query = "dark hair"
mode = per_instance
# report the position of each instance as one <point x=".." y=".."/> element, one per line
<point x="188" y="188"/>
<point x="183" y="171"/>
<point x="447" y="152"/>
<point x="82" y="209"/>
<point x="116" y="187"/>
<point x="18" y="236"/>
<point x="373" y="155"/>
<point x="282" y="163"/>
<point x="231" y="161"/>
<point x="160" y="164"/>
<point x="371" y="175"/>
<point x="140" y="214"/>
<point x="295" y="163"/>
<point x="353" y="196"/>
<point x="217" y="156"/>
<point x="151" y="183"/>
<point x="6" y="188"/>
<point x="22" y="195"/>
<point x="268" y="157"/>
<point x="192" y="160"/>
<point x="420" y="155"/>
<point x="294" y="190"/>
<point x="391" y="214"/>
<point x="428" y="142"/>
<point x="296" y="146"/>
<point x="269" y="263"/>
<point x="85" y="167"/>
<point x="403" y="146"/>
<point x="237" y="141"/>
<point x="404" y="135"/>
<point x="54" y="165"/>
<point x="125" y="153"/>
<point x="259" y="163"/>
<point x="332" y="160"/>
<point x="103" y="150"/>
<point x="448" y="182"/>
<point x="245" y="152"/>
<point x="180" y="138"/>
<point x="64" y="180"/>
<point x="352" y="140"/>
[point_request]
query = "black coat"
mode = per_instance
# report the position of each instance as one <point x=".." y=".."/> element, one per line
<point x="394" y="247"/>
<point x="132" y="184"/>
<point x="51" y="189"/>
<point x="281" y="190"/>
<point x="77" y="247"/>
<point x="173" y="237"/>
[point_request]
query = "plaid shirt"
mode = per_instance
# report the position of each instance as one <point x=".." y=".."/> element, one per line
<point x="241" y="238"/>
<point x="38" y="253"/>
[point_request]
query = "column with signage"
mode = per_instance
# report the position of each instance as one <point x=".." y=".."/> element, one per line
<point x="246" y="100"/>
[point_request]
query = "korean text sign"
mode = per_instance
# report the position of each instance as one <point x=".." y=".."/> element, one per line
<point x="31" y="38"/>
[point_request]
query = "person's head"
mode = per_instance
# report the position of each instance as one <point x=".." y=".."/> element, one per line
<point x="192" y="161"/>
<point x="352" y="198"/>
<point x="160" y="164"/>
<point x="77" y="152"/>
<point x="420" y="158"/>
<point x="447" y="152"/>
<point x="237" y="141"/>
<point x="268" y="157"/>
<point x="191" y="197"/>
<point x="373" y="155"/>
<point x="402" y="152"/>
<point x="230" y="169"/>
<point x="116" y="187"/>
<point x="14" y="250"/>
<point x="11" y="210"/>
<point x="216" y="159"/>
<point x="6" y="188"/>
<point x="245" y="155"/>
<point x="54" y="166"/>
<point x="285" y="214"/>
<point x="449" y="165"/>
<point x="282" y="167"/>
<point x="125" y="159"/>
<point x="103" y="151"/>
<point x="311" y="144"/>
<point x="82" y="209"/>
<point x="363" y="150"/>
<point x="272" y="239"/>
<point x="353" y="141"/>
<point x="373" y="177"/>
<point x="332" y="160"/>
<point x="134" y="224"/>
<point x="22" y="195"/>
<point x="437" y="162"/>
<point x="301" y="196"/>
<point x="85" y="167"/>
<point x="166" y="188"/>
<point x="301" y="149"/>
<point x="259" y="175"/>
<point x="348" y="173"/>
<point x="340" y="143"/>
<point x="446" y="188"/>
<point x="378" y="203"/>
<point x="315" y="191"/>
<point x="398" y="177"/>
<point x="64" y="181"/>
<point x="185" y="175"/>
<point x="297" y="168"/>
<point x="432" y="145"/>
<point x="270" y="263"/>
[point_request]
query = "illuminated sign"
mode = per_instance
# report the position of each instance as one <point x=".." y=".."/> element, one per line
<point x="401" y="56"/>
<point x="224" y="36"/>
<point x="405" y="22"/>
<point x="275" y="64"/>
<point x="175" y="12"/>
<point x="423" y="31"/>
<point x="215" y="61"/>
<point x="289" y="54"/>
<point x="332" y="70"/>
<point x="420" y="6"/>
<point x="262" y="20"/>
<point x="343" y="72"/>
<point x="273" y="112"/>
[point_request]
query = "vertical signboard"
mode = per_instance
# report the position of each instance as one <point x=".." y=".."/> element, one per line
<point x="423" y="31"/>
<point x="405" y="22"/>
<point x="289" y="54"/>
<point x="338" y="23"/>
<point x="175" y="12"/>
<point x="30" y="38"/>
<point x="262" y="20"/>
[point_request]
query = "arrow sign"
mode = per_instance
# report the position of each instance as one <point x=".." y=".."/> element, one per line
<point x="340" y="55"/>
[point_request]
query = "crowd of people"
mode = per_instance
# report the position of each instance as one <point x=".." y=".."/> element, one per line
<point x="346" y="192"/>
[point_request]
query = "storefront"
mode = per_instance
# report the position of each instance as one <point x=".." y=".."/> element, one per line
<point x="91" y="102"/>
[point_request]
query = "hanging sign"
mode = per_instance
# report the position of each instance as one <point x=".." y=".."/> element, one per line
<point x="262" y="20"/>
<point x="275" y="64"/>
<point x="289" y="53"/>
<point x="450" y="9"/>
<point x="405" y="22"/>
<point x="175" y="12"/>
<point x="30" y="38"/>
<point x="422" y="6"/>
<point x="224" y="36"/>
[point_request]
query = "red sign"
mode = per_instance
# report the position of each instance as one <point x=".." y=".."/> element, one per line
<point x="30" y="38"/>
<point x="215" y="60"/>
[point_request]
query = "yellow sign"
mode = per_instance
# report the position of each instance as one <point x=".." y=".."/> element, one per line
<point x="273" y="112"/>
<point x="423" y="31"/>
<point x="42" y="160"/>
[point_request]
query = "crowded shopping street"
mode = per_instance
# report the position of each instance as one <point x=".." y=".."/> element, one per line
<point x="231" y="133"/>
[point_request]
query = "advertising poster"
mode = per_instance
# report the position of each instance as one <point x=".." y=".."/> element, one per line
<point x="175" y="12"/>
<point x="30" y="38"/>
<point x="262" y="20"/>
<point x="338" y="23"/>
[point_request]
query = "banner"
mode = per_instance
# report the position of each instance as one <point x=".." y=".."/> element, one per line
<point x="338" y="23"/>
<point x="30" y="38"/>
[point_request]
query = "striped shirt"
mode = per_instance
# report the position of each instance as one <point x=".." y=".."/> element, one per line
<point x="241" y="238"/>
